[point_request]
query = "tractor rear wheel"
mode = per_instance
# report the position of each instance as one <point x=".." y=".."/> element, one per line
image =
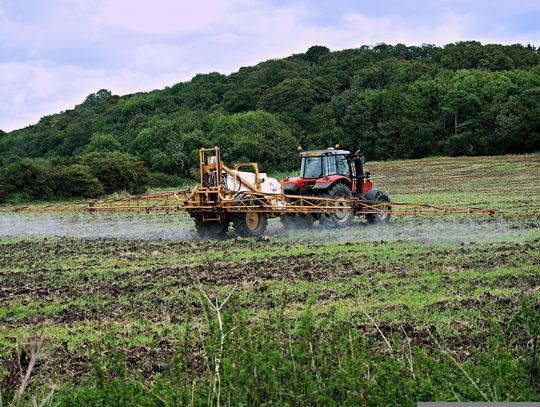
<point x="251" y="223"/>
<point x="338" y="219"/>
<point x="382" y="218"/>
<point x="211" y="230"/>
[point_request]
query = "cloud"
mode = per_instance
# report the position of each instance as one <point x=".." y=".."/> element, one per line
<point x="446" y="28"/>
<point x="55" y="55"/>
<point x="31" y="90"/>
<point x="165" y="17"/>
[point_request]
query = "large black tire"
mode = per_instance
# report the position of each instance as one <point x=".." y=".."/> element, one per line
<point x="251" y="223"/>
<point x="342" y="219"/>
<point x="383" y="218"/>
<point x="211" y="230"/>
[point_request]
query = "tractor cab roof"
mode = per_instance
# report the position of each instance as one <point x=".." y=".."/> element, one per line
<point x="328" y="151"/>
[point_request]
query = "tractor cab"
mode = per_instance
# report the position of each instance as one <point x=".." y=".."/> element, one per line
<point x="317" y="164"/>
<point x="321" y="169"/>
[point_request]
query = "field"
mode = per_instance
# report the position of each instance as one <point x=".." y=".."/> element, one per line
<point x="423" y="309"/>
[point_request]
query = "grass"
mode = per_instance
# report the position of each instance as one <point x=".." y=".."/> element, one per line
<point x="311" y="319"/>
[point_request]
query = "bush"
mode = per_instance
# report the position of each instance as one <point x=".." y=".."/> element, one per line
<point x="117" y="171"/>
<point x="27" y="178"/>
<point x="93" y="175"/>
<point x="75" y="181"/>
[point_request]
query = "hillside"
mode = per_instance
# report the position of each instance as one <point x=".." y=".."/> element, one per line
<point x="390" y="101"/>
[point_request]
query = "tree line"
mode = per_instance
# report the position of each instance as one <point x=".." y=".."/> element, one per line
<point x="389" y="101"/>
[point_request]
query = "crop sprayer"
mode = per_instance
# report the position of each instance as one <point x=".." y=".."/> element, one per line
<point x="332" y="188"/>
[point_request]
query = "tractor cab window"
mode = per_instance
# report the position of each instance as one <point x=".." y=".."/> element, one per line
<point x="337" y="164"/>
<point x="343" y="165"/>
<point x="311" y="167"/>
<point x="330" y="164"/>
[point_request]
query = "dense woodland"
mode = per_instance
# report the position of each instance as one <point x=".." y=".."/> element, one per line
<point x="389" y="101"/>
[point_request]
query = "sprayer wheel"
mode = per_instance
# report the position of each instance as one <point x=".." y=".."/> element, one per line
<point x="250" y="223"/>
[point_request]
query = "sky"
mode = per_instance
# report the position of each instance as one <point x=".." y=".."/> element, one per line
<point x="54" y="53"/>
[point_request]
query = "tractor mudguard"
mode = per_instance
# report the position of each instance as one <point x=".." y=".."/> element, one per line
<point x="371" y="195"/>
<point x="293" y="185"/>
<point x="327" y="182"/>
<point x="321" y="186"/>
<point x="292" y="189"/>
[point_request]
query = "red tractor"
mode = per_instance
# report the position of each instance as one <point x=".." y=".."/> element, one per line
<point x="333" y="173"/>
